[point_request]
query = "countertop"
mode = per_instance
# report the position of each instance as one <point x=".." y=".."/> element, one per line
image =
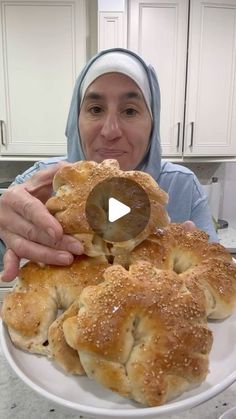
<point x="18" y="401"/>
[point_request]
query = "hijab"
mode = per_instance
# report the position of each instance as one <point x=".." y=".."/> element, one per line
<point x="131" y="64"/>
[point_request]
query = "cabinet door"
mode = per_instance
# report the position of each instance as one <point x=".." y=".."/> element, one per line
<point x="158" y="31"/>
<point x="43" y="48"/>
<point x="211" y="83"/>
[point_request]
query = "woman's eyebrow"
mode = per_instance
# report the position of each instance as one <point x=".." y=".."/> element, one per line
<point x="132" y="95"/>
<point x="127" y="95"/>
<point x="94" y="96"/>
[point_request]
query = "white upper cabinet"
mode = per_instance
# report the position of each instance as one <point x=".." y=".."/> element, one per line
<point x="205" y="76"/>
<point x="43" y="47"/>
<point x="158" y="31"/>
<point x="191" y="43"/>
<point x="210" y="127"/>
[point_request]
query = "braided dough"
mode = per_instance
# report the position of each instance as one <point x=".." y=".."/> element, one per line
<point x="142" y="333"/>
<point x="73" y="184"/>
<point x="39" y="294"/>
<point x="191" y="255"/>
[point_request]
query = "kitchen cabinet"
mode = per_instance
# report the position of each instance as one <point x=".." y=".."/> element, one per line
<point x="158" y="31"/>
<point x="192" y="47"/>
<point x="42" y="49"/>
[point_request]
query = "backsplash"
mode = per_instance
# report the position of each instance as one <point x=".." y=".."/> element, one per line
<point x="226" y="174"/>
<point x="10" y="169"/>
<point x="228" y="204"/>
<point x="204" y="171"/>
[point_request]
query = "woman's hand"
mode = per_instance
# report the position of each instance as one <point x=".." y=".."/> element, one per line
<point x="189" y="225"/>
<point x="29" y="230"/>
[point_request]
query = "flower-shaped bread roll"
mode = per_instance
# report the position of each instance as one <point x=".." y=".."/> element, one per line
<point x="73" y="185"/>
<point x="190" y="254"/>
<point x="40" y="292"/>
<point x="142" y="333"/>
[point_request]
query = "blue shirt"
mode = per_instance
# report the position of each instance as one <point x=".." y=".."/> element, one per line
<point x="187" y="199"/>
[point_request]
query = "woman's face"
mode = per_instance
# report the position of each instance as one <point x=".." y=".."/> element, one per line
<point x="114" y="121"/>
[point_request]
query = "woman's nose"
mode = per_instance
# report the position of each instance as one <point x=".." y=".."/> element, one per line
<point x="111" y="128"/>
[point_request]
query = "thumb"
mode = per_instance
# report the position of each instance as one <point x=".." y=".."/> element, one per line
<point x="189" y="225"/>
<point x="40" y="184"/>
<point x="11" y="266"/>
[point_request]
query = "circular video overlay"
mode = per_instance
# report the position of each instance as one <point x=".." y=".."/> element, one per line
<point x="118" y="209"/>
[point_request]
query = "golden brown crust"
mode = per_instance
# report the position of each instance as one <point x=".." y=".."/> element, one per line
<point x="40" y="292"/>
<point x="28" y="316"/>
<point x="217" y="279"/>
<point x="73" y="184"/>
<point x="142" y="332"/>
<point x="174" y="248"/>
<point x="145" y="328"/>
<point x="60" y="351"/>
<point x="190" y="253"/>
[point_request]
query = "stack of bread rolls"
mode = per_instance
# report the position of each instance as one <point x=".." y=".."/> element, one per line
<point x="133" y="317"/>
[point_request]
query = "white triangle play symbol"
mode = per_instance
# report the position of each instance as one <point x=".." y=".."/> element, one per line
<point x="116" y="210"/>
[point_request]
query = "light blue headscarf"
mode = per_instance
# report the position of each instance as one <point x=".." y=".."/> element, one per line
<point x="151" y="162"/>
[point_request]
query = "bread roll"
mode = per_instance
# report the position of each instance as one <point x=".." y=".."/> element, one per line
<point x="74" y="183"/>
<point x="39" y="294"/>
<point x="142" y="333"/>
<point x="190" y="254"/>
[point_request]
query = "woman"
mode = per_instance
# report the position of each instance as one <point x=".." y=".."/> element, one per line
<point x="114" y="113"/>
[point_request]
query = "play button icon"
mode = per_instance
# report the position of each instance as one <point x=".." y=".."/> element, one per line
<point x="117" y="209"/>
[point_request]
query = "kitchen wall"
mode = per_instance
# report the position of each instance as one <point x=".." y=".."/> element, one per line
<point x="228" y="202"/>
<point x="226" y="174"/>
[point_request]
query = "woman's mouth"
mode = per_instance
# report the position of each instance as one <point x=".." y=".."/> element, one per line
<point x="104" y="152"/>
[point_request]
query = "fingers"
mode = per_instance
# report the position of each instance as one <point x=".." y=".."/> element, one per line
<point x="18" y="226"/>
<point x="11" y="266"/>
<point x="18" y="201"/>
<point x="45" y="176"/>
<point x="189" y="226"/>
<point x="29" y="230"/>
<point x="38" y="253"/>
<point x="33" y="234"/>
<point x="21" y="200"/>
<point x="70" y="244"/>
<point x="40" y="184"/>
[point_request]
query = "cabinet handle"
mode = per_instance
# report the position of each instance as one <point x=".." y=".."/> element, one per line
<point x="192" y="131"/>
<point x="2" y="134"/>
<point x="178" y="135"/>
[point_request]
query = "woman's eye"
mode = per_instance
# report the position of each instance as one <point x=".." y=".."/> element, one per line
<point x="131" y="112"/>
<point x="95" y="110"/>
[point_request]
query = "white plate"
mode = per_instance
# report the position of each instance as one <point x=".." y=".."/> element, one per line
<point x="229" y="414"/>
<point x="89" y="398"/>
